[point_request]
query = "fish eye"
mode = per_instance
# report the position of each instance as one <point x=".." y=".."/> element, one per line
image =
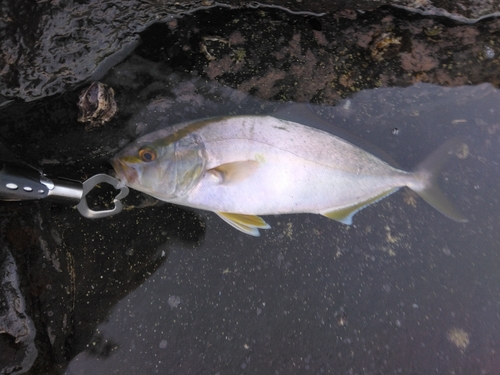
<point x="147" y="154"/>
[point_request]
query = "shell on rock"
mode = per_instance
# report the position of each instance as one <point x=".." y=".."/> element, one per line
<point x="97" y="105"/>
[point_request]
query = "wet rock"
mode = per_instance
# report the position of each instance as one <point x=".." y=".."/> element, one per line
<point x="77" y="272"/>
<point x="50" y="47"/>
<point x="17" y="330"/>
<point x="305" y="58"/>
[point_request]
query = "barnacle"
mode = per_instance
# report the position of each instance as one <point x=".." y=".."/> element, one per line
<point x="383" y="44"/>
<point x="96" y="104"/>
<point x="433" y="33"/>
<point x="209" y="45"/>
<point x="458" y="337"/>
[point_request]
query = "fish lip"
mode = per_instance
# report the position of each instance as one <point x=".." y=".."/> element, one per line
<point x="124" y="172"/>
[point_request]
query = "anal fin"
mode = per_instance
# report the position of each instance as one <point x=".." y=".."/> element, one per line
<point x="344" y="215"/>
<point x="249" y="224"/>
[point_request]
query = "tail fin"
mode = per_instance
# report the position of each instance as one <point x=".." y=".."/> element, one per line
<point x="426" y="184"/>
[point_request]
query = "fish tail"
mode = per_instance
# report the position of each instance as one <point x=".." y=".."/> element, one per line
<point x="426" y="180"/>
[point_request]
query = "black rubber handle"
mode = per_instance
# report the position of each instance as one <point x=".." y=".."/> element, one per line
<point x="19" y="181"/>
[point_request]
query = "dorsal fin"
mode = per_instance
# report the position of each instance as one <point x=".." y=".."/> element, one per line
<point x="302" y="113"/>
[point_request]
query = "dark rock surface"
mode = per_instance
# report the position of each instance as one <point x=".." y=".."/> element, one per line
<point x="16" y="326"/>
<point x="276" y="56"/>
<point x="48" y="47"/>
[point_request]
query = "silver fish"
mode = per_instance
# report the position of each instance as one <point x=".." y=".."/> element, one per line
<point x="244" y="166"/>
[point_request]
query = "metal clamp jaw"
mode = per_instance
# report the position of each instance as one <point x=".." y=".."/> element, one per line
<point x="89" y="184"/>
<point x="19" y="181"/>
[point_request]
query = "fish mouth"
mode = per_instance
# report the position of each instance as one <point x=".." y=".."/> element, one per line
<point x="124" y="172"/>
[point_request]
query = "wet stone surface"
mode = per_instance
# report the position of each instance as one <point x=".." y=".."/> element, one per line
<point x="49" y="47"/>
<point x="164" y="289"/>
<point x="276" y="56"/>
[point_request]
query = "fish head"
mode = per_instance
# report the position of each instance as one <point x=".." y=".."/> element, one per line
<point x="164" y="165"/>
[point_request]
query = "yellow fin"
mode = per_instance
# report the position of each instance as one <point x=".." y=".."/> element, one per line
<point x="249" y="224"/>
<point x="235" y="172"/>
<point x="344" y="215"/>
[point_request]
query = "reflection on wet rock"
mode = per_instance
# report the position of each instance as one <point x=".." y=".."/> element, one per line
<point x="97" y="105"/>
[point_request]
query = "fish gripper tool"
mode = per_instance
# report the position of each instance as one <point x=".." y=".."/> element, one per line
<point x="20" y="182"/>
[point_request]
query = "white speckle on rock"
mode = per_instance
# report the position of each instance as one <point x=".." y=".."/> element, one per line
<point x="488" y="52"/>
<point x="173" y="301"/>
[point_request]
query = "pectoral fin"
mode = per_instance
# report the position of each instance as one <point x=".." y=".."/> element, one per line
<point x="344" y="215"/>
<point x="249" y="224"/>
<point x="234" y="172"/>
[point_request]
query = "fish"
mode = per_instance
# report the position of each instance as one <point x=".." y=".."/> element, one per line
<point x="247" y="166"/>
